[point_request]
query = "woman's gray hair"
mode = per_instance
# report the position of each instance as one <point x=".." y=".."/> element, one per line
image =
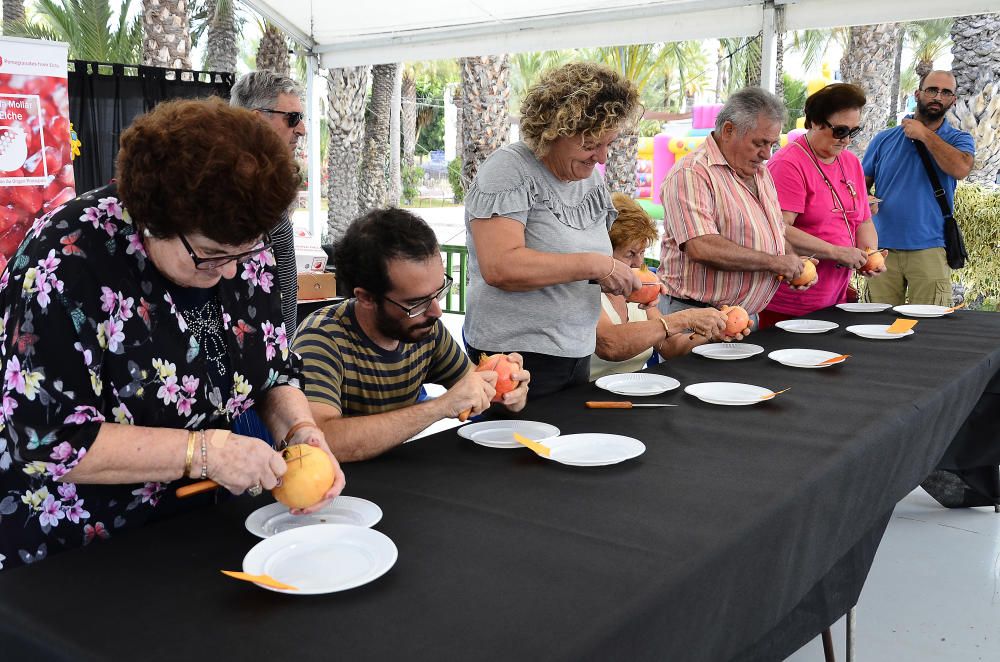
<point x="745" y="107"/>
<point x="260" y="89"/>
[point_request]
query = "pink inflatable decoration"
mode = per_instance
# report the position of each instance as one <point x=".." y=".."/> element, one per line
<point x="663" y="161"/>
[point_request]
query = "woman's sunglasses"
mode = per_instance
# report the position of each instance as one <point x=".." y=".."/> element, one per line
<point x="293" y="117"/>
<point x="841" y="131"/>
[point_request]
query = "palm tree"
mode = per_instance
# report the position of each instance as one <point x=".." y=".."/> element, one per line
<point x="346" y="90"/>
<point x="742" y="62"/>
<point x="272" y="54"/>
<point x="638" y="63"/>
<point x="395" y="101"/>
<point x="485" y="110"/>
<point x="868" y="62"/>
<point x="375" y="153"/>
<point x="690" y="61"/>
<point x="525" y="69"/>
<point x="167" y="34"/>
<point x="408" y="114"/>
<point x="88" y="27"/>
<point x="976" y="64"/>
<point x="928" y="40"/>
<point x="13" y="12"/>
<point x="975" y="51"/>
<point x="217" y="20"/>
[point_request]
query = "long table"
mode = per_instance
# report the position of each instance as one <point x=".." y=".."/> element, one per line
<point x="740" y="533"/>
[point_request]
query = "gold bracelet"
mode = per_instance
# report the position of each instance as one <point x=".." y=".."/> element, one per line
<point x="298" y="426"/>
<point x="613" y="265"/>
<point x="190" y="454"/>
<point x="666" y="329"/>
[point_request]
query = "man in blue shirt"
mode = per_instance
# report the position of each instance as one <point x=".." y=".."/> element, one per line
<point x="909" y="219"/>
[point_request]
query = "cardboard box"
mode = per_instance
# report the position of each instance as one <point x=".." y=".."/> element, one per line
<point x="309" y="258"/>
<point x="317" y="286"/>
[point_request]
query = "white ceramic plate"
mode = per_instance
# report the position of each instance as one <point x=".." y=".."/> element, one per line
<point x="727" y="393"/>
<point x="322" y="559"/>
<point x="594" y="449"/>
<point x="637" y="383"/>
<point x="864" y="307"/>
<point x="275" y="518"/>
<point x="500" y="434"/>
<point x="806" y="326"/>
<point x="727" y="351"/>
<point x="922" y="310"/>
<point x="804" y="358"/>
<point x="877" y="332"/>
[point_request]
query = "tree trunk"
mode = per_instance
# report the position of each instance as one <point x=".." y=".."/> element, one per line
<point x="868" y="62"/>
<point x="395" y="181"/>
<point x="456" y="98"/>
<point x="13" y="11"/>
<point x="619" y="171"/>
<point x="408" y="116"/>
<point x="779" y="61"/>
<point x="980" y="116"/>
<point x="272" y="54"/>
<point x="346" y="121"/>
<point x="975" y="52"/>
<point x="221" y="50"/>
<point x="896" y="71"/>
<point x="721" y="74"/>
<point x="375" y="153"/>
<point x="167" y="34"/>
<point x="923" y="68"/>
<point x="485" y="110"/>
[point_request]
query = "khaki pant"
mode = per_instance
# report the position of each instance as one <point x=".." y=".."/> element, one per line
<point x="916" y="277"/>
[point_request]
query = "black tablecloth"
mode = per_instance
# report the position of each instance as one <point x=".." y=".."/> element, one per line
<point x="704" y="548"/>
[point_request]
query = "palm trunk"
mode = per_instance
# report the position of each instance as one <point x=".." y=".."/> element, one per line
<point x="375" y="154"/>
<point x="619" y="171"/>
<point x="346" y="121"/>
<point x="13" y="11"/>
<point x="975" y="52"/>
<point x="395" y="181"/>
<point x="168" y="34"/>
<point x="408" y="117"/>
<point x="272" y="54"/>
<point x="896" y="71"/>
<point x="221" y="50"/>
<point x="867" y="62"/>
<point x="485" y="125"/>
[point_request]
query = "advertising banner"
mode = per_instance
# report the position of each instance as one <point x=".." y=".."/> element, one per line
<point x="36" y="171"/>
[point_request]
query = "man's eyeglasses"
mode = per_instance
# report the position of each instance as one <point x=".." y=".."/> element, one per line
<point x="938" y="92"/>
<point x="842" y="131"/>
<point x="293" y="117"/>
<point x="421" y="307"/>
<point x="219" y="261"/>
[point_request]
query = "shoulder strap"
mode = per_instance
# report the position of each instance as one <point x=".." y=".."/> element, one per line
<point x="939" y="193"/>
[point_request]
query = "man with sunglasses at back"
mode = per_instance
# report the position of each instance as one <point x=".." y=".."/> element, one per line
<point x="277" y="100"/>
<point x="365" y="359"/>
<point x="908" y="218"/>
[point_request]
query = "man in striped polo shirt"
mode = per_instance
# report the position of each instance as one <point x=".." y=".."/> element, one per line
<point x="366" y="359"/>
<point x="724" y="237"/>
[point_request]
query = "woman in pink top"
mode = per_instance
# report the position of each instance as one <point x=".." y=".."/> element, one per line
<point x="824" y="202"/>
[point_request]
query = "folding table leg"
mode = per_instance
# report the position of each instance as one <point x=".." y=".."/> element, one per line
<point x="851" y="623"/>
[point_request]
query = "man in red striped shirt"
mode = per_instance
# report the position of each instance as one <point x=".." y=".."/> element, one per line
<point x="724" y="238"/>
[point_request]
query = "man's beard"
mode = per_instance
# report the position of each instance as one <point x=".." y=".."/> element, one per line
<point x="393" y="328"/>
<point x="927" y="113"/>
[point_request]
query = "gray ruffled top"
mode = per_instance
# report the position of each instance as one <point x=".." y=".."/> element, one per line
<point x="558" y="217"/>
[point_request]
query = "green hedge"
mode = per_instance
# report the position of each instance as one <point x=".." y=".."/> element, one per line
<point x="977" y="210"/>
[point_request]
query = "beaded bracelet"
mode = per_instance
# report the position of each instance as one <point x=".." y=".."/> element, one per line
<point x="190" y="453"/>
<point x="204" y="457"/>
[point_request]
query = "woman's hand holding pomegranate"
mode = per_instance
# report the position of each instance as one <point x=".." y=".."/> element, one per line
<point x="708" y="322"/>
<point x="313" y="436"/>
<point x="238" y="462"/>
<point x="849" y="256"/>
<point x="622" y="280"/>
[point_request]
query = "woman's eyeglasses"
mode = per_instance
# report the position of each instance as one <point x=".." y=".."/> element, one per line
<point x="421" y="307"/>
<point x="219" y="261"/>
<point x="293" y="117"/>
<point x="842" y="131"/>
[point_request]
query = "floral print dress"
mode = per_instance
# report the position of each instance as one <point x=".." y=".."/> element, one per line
<point x="89" y="333"/>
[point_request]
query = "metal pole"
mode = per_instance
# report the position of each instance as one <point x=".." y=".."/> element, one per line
<point x="852" y="621"/>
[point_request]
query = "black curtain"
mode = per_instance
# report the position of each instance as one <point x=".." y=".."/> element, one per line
<point x="105" y="98"/>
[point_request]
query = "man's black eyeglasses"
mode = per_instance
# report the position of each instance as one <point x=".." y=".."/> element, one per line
<point x="219" y="261"/>
<point x="293" y="117"/>
<point x="937" y="91"/>
<point x="421" y="307"/>
<point x="842" y="131"/>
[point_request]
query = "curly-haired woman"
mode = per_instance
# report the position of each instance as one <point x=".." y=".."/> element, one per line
<point x="135" y="322"/>
<point x="537" y="219"/>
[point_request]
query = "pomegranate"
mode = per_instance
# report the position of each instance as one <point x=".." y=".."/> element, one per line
<point x="875" y="260"/>
<point x="310" y="475"/>
<point x="807" y="275"/>
<point x="738" y="321"/>
<point x="504" y="367"/>
<point x="650" y="289"/>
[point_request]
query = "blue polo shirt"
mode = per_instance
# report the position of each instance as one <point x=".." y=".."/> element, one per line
<point x="909" y="218"/>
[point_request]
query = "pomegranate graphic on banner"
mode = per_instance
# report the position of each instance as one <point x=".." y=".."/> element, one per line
<point x="36" y="171"/>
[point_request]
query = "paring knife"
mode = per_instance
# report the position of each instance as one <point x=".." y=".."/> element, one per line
<point x="624" y="404"/>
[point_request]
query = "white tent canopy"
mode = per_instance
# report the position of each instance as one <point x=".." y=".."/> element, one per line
<point x="342" y="34"/>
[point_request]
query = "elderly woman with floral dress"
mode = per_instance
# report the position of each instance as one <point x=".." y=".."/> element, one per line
<point x="135" y="322"/>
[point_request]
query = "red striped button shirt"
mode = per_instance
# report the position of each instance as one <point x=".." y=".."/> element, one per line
<point x="703" y="195"/>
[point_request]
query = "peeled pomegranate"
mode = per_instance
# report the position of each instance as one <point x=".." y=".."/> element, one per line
<point x="650" y="289"/>
<point x="807" y="275"/>
<point x="504" y="367"/>
<point x="738" y="321"/>
<point x="310" y="475"/>
<point x="875" y="260"/>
